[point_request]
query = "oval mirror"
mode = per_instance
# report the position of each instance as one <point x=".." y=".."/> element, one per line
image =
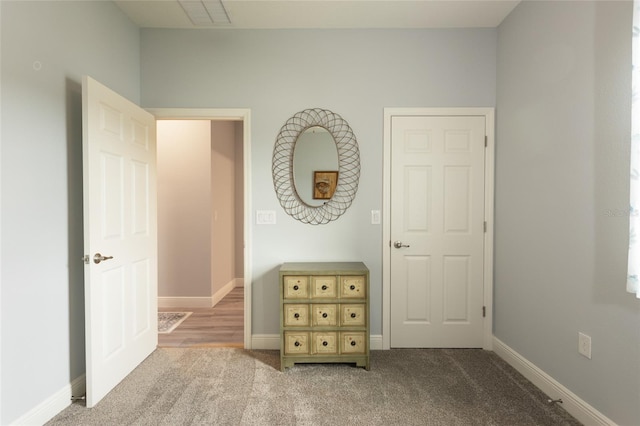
<point x="336" y="189"/>
<point x="315" y="166"/>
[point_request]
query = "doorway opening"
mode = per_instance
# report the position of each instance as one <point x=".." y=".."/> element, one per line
<point x="203" y="225"/>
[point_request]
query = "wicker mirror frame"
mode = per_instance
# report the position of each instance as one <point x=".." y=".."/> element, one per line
<point x="348" y="166"/>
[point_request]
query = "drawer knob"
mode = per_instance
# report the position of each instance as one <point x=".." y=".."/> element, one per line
<point x="324" y="287"/>
<point x="353" y="343"/>
<point x="325" y="343"/>
<point x="353" y="314"/>
<point x="296" y="315"/>
<point x="296" y="343"/>
<point x="324" y="315"/>
<point x="295" y="287"/>
<point x="352" y="287"/>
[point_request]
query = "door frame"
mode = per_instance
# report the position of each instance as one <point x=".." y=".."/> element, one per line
<point x="228" y="114"/>
<point x="489" y="171"/>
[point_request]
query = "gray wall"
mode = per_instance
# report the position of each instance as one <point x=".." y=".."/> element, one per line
<point x="46" y="48"/>
<point x="355" y="73"/>
<point x="561" y="238"/>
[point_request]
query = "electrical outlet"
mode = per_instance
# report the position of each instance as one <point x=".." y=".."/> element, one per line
<point x="584" y="345"/>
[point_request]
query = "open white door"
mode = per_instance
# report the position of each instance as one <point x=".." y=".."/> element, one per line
<point x="120" y="237"/>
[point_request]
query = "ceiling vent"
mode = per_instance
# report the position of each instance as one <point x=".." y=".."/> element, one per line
<point x="205" y="13"/>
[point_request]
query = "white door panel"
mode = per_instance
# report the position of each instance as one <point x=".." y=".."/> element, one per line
<point x="119" y="158"/>
<point x="437" y="215"/>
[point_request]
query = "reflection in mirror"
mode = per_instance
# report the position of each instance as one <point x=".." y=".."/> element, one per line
<point x="315" y="150"/>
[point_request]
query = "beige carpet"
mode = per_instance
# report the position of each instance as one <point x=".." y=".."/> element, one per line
<point x="226" y="386"/>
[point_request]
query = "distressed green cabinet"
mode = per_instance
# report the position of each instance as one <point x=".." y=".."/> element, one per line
<point x="324" y="313"/>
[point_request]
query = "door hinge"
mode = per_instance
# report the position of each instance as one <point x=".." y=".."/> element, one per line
<point x="486" y="141"/>
<point x="484" y="311"/>
<point x="485" y="226"/>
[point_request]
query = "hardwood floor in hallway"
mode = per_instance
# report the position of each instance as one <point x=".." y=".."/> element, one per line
<point x="220" y="326"/>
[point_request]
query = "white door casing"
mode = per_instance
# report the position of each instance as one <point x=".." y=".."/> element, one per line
<point x="438" y="195"/>
<point x="119" y="162"/>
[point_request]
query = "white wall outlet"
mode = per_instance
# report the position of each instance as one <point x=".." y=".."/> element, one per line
<point x="375" y="217"/>
<point x="584" y="345"/>
<point x="265" y="217"/>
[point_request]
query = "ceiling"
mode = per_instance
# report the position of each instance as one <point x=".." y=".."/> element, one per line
<point x="284" y="14"/>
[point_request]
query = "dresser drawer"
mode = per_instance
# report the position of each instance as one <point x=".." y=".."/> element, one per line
<point x="296" y="287"/>
<point x="353" y="342"/>
<point x="324" y="287"/>
<point x="324" y="342"/>
<point x="296" y="343"/>
<point x="353" y="315"/>
<point x="353" y="287"/>
<point x="324" y="315"/>
<point x="296" y="315"/>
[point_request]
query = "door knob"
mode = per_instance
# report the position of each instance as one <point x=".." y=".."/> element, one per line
<point x="99" y="258"/>
<point x="398" y="244"/>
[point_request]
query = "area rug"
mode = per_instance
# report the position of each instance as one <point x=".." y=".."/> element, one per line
<point x="168" y="321"/>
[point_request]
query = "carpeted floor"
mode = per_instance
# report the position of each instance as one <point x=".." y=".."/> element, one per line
<point x="225" y="386"/>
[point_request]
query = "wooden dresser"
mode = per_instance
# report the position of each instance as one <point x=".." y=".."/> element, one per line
<point x="324" y="313"/>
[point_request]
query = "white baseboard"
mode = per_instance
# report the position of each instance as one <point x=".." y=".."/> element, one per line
<point x="200" y="302"/>
<point x="272" y="342"/>
<point x="375" y="342"/>
<point x="574" y="405"/>
<point x="226" y="289"/>
<point x="53" y="405"/>
<point x="265" y="341"/>
<point x="185" y="302"/>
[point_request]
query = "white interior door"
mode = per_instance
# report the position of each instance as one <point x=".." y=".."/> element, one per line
<point x="437" y="231"/>
<point x="119" y="160"/>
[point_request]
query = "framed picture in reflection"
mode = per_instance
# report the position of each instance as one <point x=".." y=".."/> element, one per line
<point x="324" y="184"/>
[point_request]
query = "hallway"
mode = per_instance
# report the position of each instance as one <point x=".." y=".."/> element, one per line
<point x="220" y="326"/>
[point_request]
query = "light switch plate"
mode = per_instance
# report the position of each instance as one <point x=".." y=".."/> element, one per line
<point x="375" y="217"/>
<point x="265" y="217"/>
